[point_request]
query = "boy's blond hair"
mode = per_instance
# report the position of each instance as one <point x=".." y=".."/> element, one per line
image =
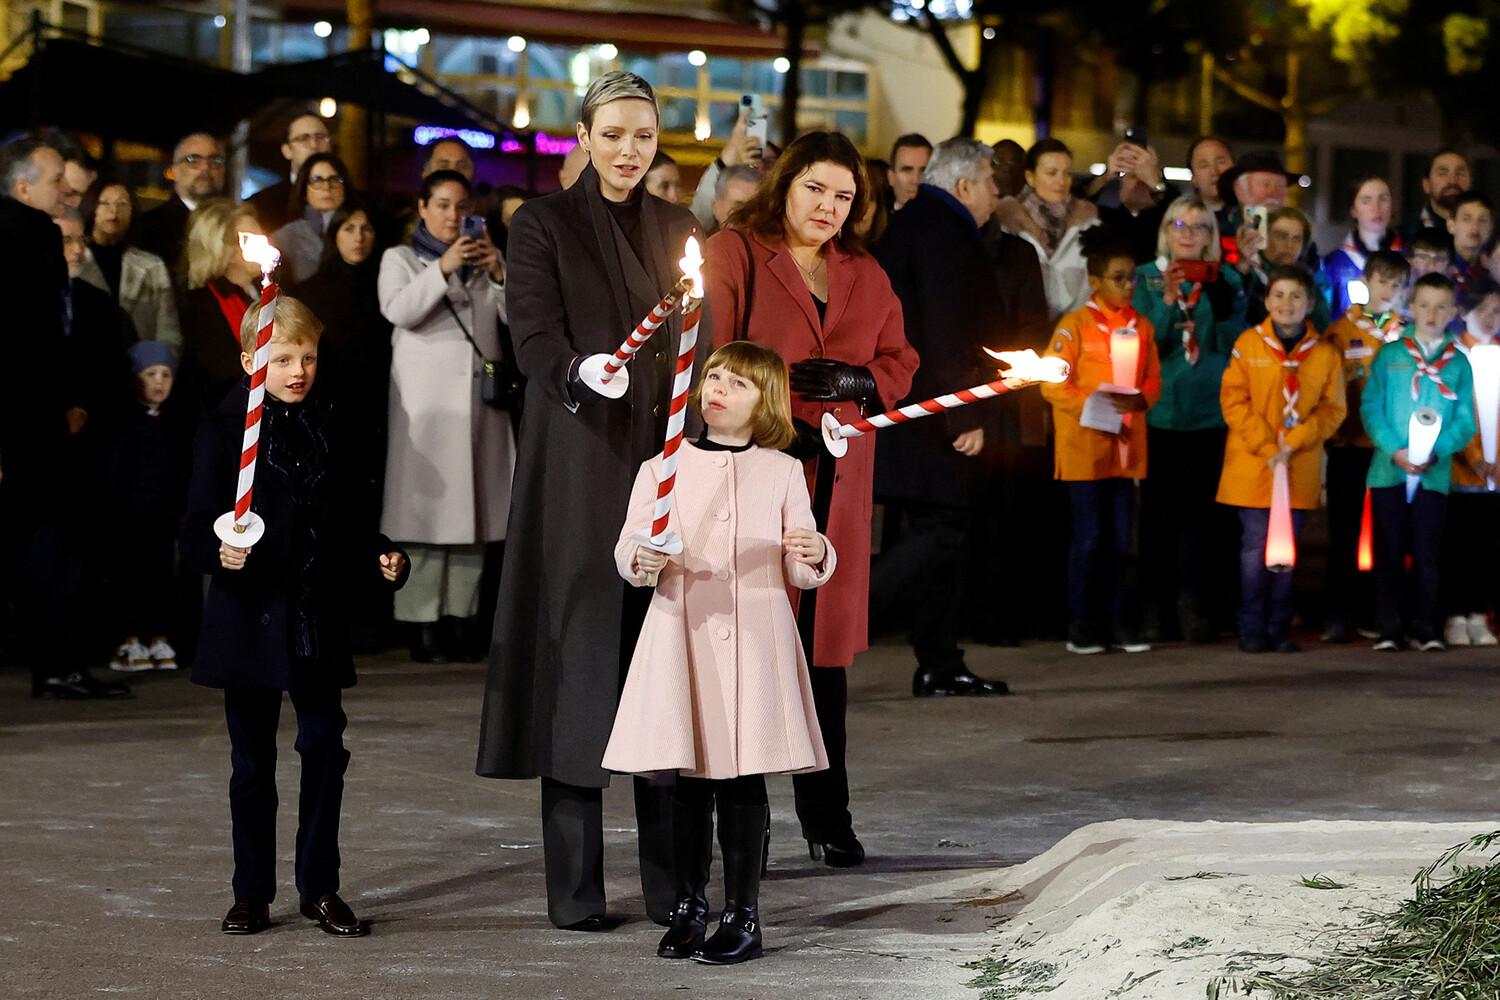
<point x="294" y="324"/>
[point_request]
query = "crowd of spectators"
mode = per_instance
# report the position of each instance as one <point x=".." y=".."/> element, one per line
<point x="1257" y="352"/>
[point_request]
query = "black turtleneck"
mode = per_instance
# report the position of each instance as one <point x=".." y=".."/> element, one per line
<point x="706" y="445"/>
<point x="110" y="259"/>
<point x="627" y="215"/>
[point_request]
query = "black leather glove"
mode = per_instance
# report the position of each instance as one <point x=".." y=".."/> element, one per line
<point x="808" y="444"/>
<point x="823" y="380"/>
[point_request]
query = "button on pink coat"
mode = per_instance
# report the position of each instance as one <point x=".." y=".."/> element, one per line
<point x="718" y="685"/>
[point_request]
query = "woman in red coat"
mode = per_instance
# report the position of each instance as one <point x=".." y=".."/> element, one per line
<point x="791" y="273"/>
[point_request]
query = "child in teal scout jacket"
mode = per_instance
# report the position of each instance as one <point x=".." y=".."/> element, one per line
<point x="1423" y="368"/>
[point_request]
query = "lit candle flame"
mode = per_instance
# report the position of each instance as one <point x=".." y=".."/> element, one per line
<point x="1026" y="368"/>
<point x="692" y="266"/>
<point x="256" y="249"/>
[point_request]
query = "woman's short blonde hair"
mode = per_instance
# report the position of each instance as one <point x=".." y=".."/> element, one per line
<point x="1176" y="211"/>
<point x="613" y="86"/>
<point x="213" y="238"/>
<point x="772" y="426"/>
<point x="293" y="323"/>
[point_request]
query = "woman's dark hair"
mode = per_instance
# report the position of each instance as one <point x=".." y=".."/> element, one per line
<point x="299" y="197"/>
<point x="1041" y="148"/>
<point x="437" y="178"/>
<point x="352" y="204"/>
<point x="89" y="206"/>
<point x="765" y="212"/>
<point x="1360" y="182"/>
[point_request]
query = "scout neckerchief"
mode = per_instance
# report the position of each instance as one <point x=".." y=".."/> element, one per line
<point x="1291" y="386"/>
<point x="1187" y="303"/>
<point x="1430" y="369"/>
<point x="1358" y="254"/>
<point x="1385" y="327"/>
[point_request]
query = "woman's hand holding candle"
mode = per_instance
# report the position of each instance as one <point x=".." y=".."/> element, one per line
<point x="804" y="545"/>
<point x="231" y="557"/>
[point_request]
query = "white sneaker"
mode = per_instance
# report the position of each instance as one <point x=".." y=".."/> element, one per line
<point x="1479" y="631"/>
<point x="131" y="657"/>
<point x="1084" y="648"/>
<point x="1456" y="631"/>
<point x="163" y="656"/>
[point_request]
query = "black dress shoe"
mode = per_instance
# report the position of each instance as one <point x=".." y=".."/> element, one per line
<point x="425" y="645"/>
<point x="842" y="852"/>
<point x="78" y="685"/>
<point x="936" y="684"/>
<point x="334" y="916"/>
<point x="598" y="923"/>
<point x="246" y="917"/>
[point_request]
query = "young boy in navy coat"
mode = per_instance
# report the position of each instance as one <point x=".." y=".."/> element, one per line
<point x="275" y="618"/>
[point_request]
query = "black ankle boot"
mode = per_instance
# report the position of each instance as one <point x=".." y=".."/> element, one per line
<point x="693" y="849"/>
<point x="456" y="635"/>
<point x="425" y="647"/>
<point x="742" y="832"/>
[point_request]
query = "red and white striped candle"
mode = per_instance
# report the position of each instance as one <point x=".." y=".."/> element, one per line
<point x="241" y="527"/>
<point x="645" y="329"/>
<point x="1024" y="369"/>
<point x="660" y="537"/>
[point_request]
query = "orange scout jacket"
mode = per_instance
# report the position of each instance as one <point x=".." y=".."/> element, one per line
<point x="1254" y="397"/>
<point x="1082" y="454"/>
<point x="1357" y="336"/>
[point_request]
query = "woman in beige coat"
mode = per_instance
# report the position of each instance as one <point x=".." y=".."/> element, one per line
<point x="449" y="456"/>
<point x="718" y="690"/>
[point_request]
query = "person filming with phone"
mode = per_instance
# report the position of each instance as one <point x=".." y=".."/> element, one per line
<point x="449" y="456"/>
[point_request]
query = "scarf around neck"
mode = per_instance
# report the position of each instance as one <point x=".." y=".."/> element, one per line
<point x="1049" y="218"/>
<point x="429" y="247"/>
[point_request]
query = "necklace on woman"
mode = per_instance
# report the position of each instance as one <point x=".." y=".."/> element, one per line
<point x="812" y="272"/>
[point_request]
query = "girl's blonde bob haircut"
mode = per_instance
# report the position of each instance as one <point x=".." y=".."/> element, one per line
<point x="213" y="238"/>
<point x="772" y="427"/>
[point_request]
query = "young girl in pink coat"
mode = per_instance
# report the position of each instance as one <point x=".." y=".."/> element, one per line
<point x="718" y="689"/>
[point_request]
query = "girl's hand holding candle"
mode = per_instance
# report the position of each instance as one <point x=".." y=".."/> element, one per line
<point x="649" y="560"/>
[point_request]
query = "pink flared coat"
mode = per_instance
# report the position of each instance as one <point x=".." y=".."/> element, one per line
<point x="718" y="686"/>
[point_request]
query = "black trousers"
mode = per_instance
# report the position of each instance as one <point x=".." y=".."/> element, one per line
<point x="1350" y="592"/>
<point x="252" y="715"/>
<point x="1403" y="529"/>
<point x="927" y="564"/>
<point x="822" y="797"/>
<point x="573" y="850"/>
<point x="48" y="601"/>
<point x="1185" y="534"/>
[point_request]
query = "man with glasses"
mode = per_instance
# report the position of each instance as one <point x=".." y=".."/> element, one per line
<point x="305" y="135"/>
<point x="196" y="173"/>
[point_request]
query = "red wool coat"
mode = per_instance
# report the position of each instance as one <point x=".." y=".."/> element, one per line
<point x="863" y="327"/>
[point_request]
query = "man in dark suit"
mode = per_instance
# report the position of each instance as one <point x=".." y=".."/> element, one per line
<point x="938" y="266"/>
<point x="305" y="135"/>
<point x="39" y="415"/>
<point x="197" y="172"/>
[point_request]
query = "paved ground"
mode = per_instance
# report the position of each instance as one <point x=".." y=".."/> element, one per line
<point x="114" y="825"/>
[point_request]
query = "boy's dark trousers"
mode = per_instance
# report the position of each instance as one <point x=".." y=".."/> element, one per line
<point x="252" y="715"/>
<point x="1403" y="528"/>
<point x="1471" y="550"/>
<point x="1098" y="559"/>
<point x="1348" y="590"/>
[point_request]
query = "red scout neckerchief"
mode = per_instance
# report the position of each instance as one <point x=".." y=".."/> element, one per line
<point x="1358" y="255"/>
<point x="1432" y="370"/>
<point x="1187" y="304"/>
<point x="1291" y="386"/>
<point x="233" y="307"/>
<point x="1386" y="327"/>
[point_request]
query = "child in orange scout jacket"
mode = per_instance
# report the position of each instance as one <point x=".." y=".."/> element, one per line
<point x="1471" y="546"/>
<point x="718" y="689"/>
<point x="1424" y="368"/>
<point x="1358" y="334"/>
<point x="1283" y="396"/>
<point x="1098" y="465"/>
